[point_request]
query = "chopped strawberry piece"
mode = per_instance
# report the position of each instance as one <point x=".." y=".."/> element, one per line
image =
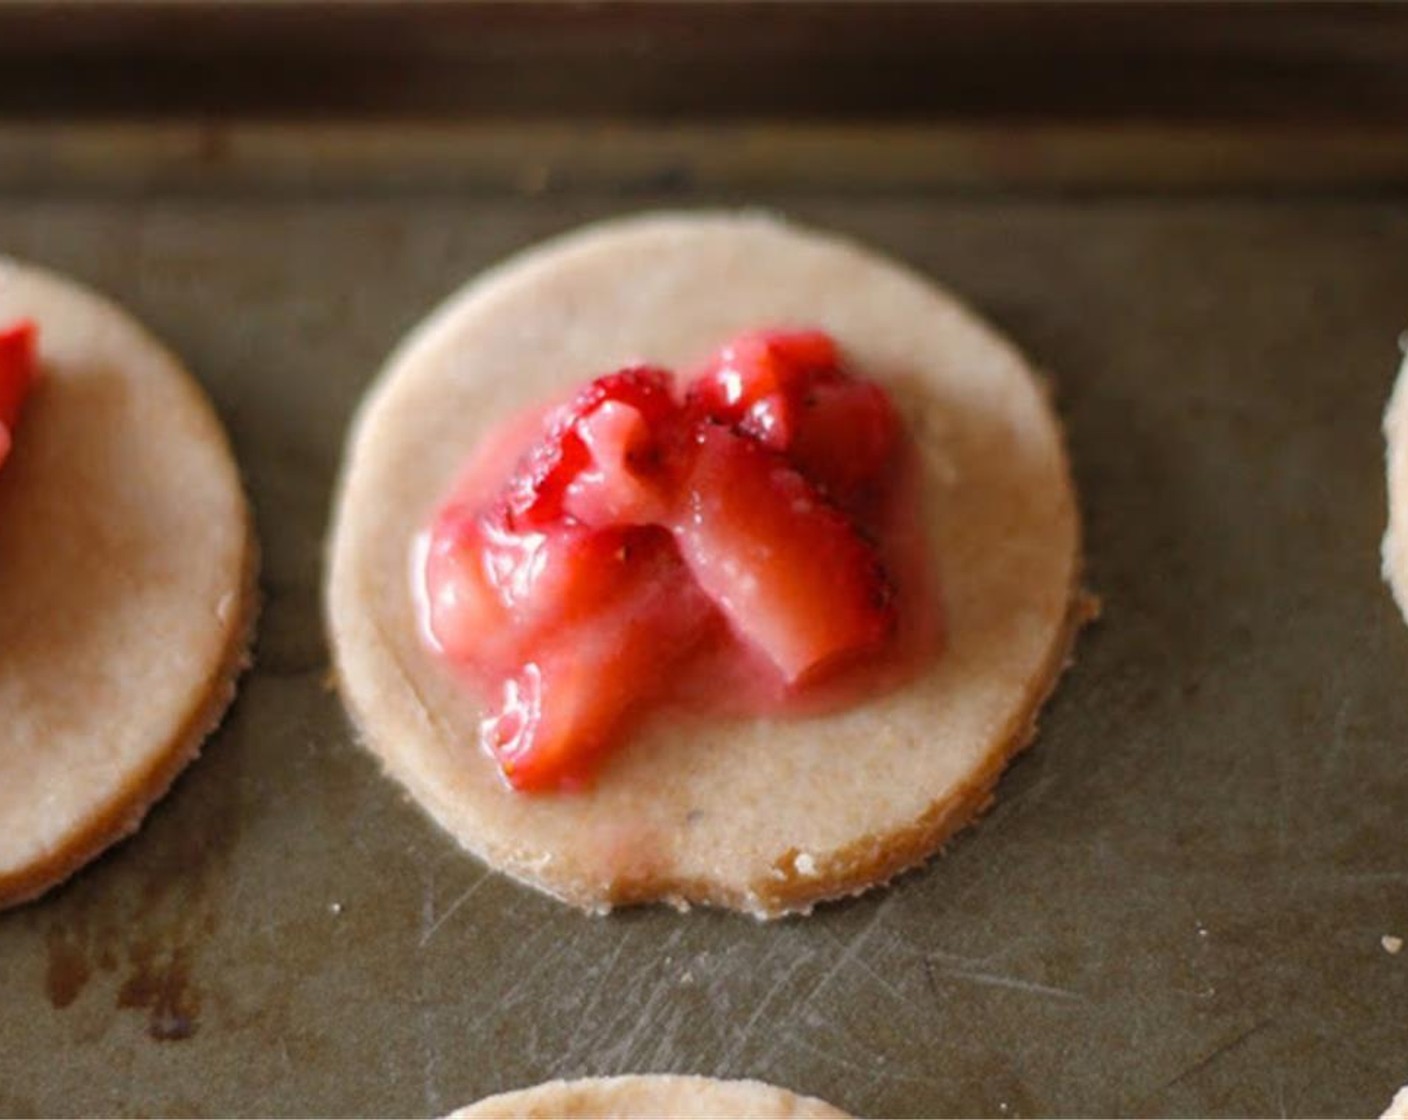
<point x="466" y="614"/>
<point x="787" y="569"/>
<point x="539" y="485"/>
<point x="563" y="707"/>
<point x="493" y="591"/>
<point x="755" y="381"/>
<point x="17" y="372"/>
<point x="846" y="437"/>
<point x="636" y="526"/>
<point x="788" y="391"/>
<point x="625" y="480"/>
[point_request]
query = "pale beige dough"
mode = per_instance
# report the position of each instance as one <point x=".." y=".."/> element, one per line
<point x="1395" y="552"/>
<point x="651" y="1095"/>
<point x="763" y="815"/>
<point x="127" y="565"/>
<point x="1398" y="1107"/>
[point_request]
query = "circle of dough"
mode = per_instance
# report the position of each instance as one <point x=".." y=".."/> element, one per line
<point x="1396" y="538"/>
<point x="126" y="583"/>
<point x="763" y="815"/>
<point x="650" y="1096"/>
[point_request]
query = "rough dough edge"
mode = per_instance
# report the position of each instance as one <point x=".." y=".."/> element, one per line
<point x="872" y="862"/>
<point x="868" y="863"/>
<point x="523" y="1099"/>
<point x="129" y="805"/>
<point x="1395" y="545"/>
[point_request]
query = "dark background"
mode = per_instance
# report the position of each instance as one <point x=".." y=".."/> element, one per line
<point x="1295" y="63"/>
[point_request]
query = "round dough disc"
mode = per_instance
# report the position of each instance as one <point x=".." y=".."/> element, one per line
<point x="764" y="815"/>
<point x="651" y="1096"/>
<point x="1396" y="539"/>
<point x="126" y="583"/>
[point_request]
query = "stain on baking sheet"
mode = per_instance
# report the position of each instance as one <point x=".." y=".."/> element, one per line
<point x="138" y="949"/>
<point x="160" y="983"/>
<point x="67" y="971"/>
<point x="157" y="978"/>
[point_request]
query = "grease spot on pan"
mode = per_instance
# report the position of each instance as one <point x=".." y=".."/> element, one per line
<point x="160" y="984"/>
<point x="67" y="971"/>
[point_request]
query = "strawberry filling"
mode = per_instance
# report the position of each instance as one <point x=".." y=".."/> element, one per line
<point x="17" y="372"/>
<point x="643" y="534"/>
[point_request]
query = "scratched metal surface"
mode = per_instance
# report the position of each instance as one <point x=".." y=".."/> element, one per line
<point x="1176" y="906"/>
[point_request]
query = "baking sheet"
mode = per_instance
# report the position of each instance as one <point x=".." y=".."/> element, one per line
<point x="1177" y="904"/>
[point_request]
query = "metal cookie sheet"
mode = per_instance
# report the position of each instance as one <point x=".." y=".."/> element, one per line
<point x="1177" y="904"/>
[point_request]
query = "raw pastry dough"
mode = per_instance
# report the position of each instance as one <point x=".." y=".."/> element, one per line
<point x="1396" y="538"/>
<point x="651" y="1096"/>
<point x="763" y="815"/>
<point x="127" y="563"/>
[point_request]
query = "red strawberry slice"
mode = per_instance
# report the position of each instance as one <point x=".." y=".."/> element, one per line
<point x="491" y="591"/>
<point x="755" y="381"/>
<point x="626" y="479"/>
<point x="846" y="437"/>
<point x="787" y="390"/>
<point x="537" y="490"/>
<point x="465" y="613"/>
<point x="559" y="711"/>
<point x="787" y="569"/>
<point x="17" y="372"/>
